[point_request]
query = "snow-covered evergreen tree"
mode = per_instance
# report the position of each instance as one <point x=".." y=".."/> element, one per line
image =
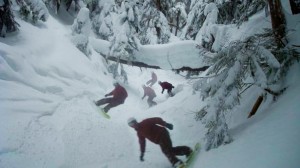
<point x="163" y="5"/>
<point x="103" y="13"/>
<point x="133" y="13"/>
<point x="118" y="72"/>
<point x="124" y="41"/>
<point x="75" y="3"/>
<point x="125" y="30"/>
<point x="195" y="20"/>
<point x="80" y="31"/>
<point x="7" y="21"/>
<point x="153" y="24"/>
<point x="178" y="17"/>
<point x="232" y="66"/>
<point x="187" y="4"/>
<point x="286" y="56"/>
<point x="53" y="4"/>
<point x="229" y="12"/>
<point x="238" y="11"/>
<point x="206" y="35"/>
<point x="33" y="10"/>
<point x="67" y="4"/>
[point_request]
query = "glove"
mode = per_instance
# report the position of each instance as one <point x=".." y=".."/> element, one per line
<point x="169" y="126"/>
<point x="142" y="157"/>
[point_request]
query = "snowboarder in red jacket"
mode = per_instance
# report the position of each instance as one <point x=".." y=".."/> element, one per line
<point x="168" y="86"/>
<point x="119" y="95"/>
<point x="153" y="79"/>
<point x="154" y="129"/>
<point x="148" y="91"/>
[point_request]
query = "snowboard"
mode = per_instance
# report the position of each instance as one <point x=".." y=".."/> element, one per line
<point x="191" y="158"/>
<point x="101" y="111"/>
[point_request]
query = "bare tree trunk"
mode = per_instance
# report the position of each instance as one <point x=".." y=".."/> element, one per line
<point x="158" y="5"/>
<point x="295" y="6"/>
<point x="177" y="22"/>
<point x="57" y="5"/>
<point x="278" y="21"/>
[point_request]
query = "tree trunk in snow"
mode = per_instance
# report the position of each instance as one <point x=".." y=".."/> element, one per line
<point x="278" y="21"/>
<point x="158" y="5"/>
<point x="295" y="6"/>
<point x="177" y="22"/>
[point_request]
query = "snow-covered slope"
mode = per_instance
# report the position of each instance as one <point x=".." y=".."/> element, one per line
<point x="268" y="139"/>
<point x="47" y="119"/>
<point x="47" y="86"/>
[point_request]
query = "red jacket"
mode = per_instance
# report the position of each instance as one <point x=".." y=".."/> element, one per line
<point x="119" y="93"/>
<point x="152" y="129"/>
<point x="166" y="85"/>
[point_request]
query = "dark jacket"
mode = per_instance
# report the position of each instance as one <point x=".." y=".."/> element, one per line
<point x="119" y="93"/>
<point x="152" y="129"/>
<point x="166" y="85"/>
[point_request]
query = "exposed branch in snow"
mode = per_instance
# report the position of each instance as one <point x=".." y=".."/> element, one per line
<point x="132" y="63"/>
<point x="260" y="99"/>
<point x="275" y="93"/>
<point x="272" y="92"/>
<point x="246" y="88"/>
<point x="296" y="45"/>
<point x="172" y="24"/>
<point x="189" y="69"/>
<point x="192" y="69"/>
<point x="255" y="106"/>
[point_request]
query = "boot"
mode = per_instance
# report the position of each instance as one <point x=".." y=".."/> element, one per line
<point x="189" y="153"/>
<point x="178" y="164"/>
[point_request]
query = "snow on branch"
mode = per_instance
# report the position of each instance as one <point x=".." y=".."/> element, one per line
<point x="183" y="55"/>
<point x="233" y="65"/>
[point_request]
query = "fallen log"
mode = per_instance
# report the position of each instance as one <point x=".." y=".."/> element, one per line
<point x="144" y="65"/>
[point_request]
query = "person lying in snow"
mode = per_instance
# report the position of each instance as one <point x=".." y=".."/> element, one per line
<point x="148" y="91"/>
<point x="119" y="95"/>
<point x="168" y="86"/>
<point x="154" y="130"/>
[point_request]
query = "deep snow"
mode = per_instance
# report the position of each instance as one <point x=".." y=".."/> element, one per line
<point x="47" y="119"/>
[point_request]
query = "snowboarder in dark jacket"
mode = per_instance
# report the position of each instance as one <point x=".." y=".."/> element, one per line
<point x="148" y="91"/>
<point x="168" y="86"/>
<point x="154" y="129"/>
<point x="119" y="95"/>
<point x="153" y="79"/>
